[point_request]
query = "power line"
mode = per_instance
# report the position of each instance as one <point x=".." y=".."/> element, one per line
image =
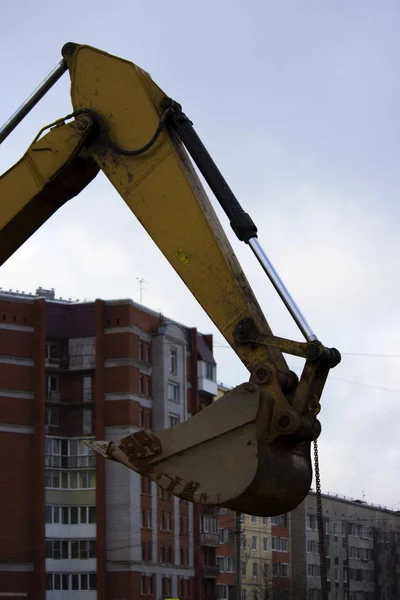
<point x="221" y="345"/>
<point x="368" y="385"/>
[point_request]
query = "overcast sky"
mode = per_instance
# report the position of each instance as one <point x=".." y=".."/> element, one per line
<point x="298" y="103"/>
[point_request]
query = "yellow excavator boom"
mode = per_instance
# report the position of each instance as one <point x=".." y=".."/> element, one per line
<point x="251" y="449"/>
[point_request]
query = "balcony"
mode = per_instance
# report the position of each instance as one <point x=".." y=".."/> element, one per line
<point x="53" y="397"/>
<point x="207" y="386"/>
<point x="82" y="362"/>
<point x="207" y="383"/>
<point x="209" y="539"/>
<point x="210" y="571"/>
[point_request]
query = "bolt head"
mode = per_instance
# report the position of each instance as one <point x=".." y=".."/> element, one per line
<point x="283" y="422"/>
<point x="262" y="374"/>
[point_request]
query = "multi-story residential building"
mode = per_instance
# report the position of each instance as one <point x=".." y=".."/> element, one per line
<point x="226" y="558"/>
<point x="265" y="557"/>
<point x="256" y="556"/>
<point x="71" y="523"/>
<point x="362" y="549"/>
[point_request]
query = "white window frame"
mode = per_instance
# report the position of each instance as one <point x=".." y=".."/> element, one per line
<point x="173" y="392"/>
<point x="173" y="360"/>
<point x="173" y="419"/>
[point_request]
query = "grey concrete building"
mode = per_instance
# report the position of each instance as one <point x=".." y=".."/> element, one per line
<point x="362" y="549"/>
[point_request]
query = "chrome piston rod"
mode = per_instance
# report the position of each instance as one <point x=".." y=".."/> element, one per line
<point x="282" y="290"/>
<point x="33" y="99"/>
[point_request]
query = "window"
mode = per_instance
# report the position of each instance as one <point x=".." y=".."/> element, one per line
<point x="209" y="372"/>
<point x="265" y="544"/>
<point x="87" y="420"/>
<point x="149" y="519"/>
<point x="75" y="549"/>
<point x="244" y="594"/>
<point x="266" y="570"/>
<point x="280" y="543"/>
<point x="53" y="416"/>
<point x="144" y="351"/>
<point x="68" y="453"/>
<point x="254" y="542"/>
<point x="283" y="570"/>
<point x="148" y="417"/>
<point x="166" y="586"/>
<point x="173" y="356"/>
<point x="143" y="518"/>
<point x="223" y="536"/>
<point x="227" y="564"/>
<point x="51" y="350"/>
<point x="71" y="581"/>
<point x="144" y="385"/>
<point x="312" y="522"/>
<point x="173" y="419"/>
<point x="173" y="392"/>
<point x="280" y="520"/>
<point x="52" y="383"/>
<point x="243" y="569"/>
<point x="49" y="514"/>
<point x="312" y="546"/>
<point x="222" y="592"/>
<point x="265" y="520"/>
<point x="208" y="524"/>
<point x="168" y="522"/>
<point x="70" y="515"/>
<point x="185" y="525"/>
<point x="70" y="480"/>
<point x="164" y="494"/>
<point x="146" y="486"/>
<point x="254" y="519"/>
<point x="255" y="569"/>
<point x="87" y="388"/>
<point x="312" y="570"/>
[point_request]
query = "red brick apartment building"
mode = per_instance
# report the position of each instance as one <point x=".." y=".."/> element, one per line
<point x="70" y="523"/>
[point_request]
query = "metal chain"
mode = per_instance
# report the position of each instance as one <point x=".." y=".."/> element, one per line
<point x="320" y="521"/>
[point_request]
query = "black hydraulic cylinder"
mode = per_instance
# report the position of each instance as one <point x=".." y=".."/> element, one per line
<point x="240" y="221"/>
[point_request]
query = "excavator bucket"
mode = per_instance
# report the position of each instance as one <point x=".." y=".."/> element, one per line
<point x="220" y="457"/>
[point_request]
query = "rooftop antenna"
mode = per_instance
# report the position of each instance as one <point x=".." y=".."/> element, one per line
<point x="141" y="282"/>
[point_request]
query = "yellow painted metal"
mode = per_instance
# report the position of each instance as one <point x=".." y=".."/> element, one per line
<point x="39" y="183"/>
<point x="162" y="189"/>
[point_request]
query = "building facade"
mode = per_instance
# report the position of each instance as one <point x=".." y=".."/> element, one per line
<point x="227" y="555"/>
<point x="265" y="558"/>
<point x="103" y="369"/>
<point x="362" y="547"/>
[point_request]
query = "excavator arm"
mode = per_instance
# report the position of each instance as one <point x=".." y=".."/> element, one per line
<point x="250" y="450"/>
